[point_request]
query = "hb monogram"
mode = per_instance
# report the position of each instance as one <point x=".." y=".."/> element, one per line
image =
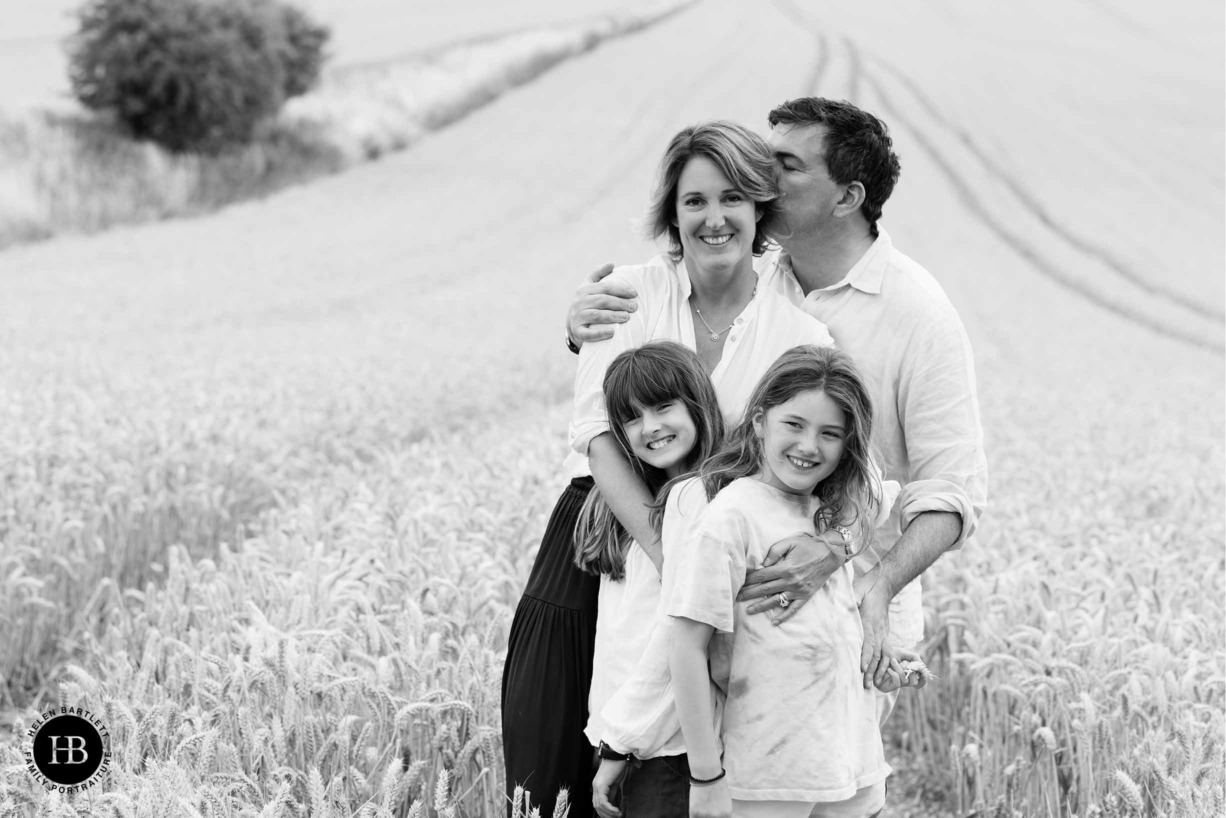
<point x="75" y="744"/>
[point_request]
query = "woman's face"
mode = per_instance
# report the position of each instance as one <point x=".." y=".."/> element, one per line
<point x="716" y="220"/>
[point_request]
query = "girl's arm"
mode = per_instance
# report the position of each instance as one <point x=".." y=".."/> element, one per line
<point x="696" y="712"/>
<point x="626" y="494"/>
<point x="623" y="490"/>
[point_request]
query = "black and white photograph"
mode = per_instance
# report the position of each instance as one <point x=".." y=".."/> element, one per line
<point x="619" y="409"/>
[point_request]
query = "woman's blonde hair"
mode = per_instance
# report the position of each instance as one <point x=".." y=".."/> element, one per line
<point x="655" y="373"/>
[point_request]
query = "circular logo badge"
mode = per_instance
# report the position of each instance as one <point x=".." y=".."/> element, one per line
<point x="68" y="749"/>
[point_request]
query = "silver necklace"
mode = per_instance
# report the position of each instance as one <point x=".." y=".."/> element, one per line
<point x="715" y="335"/>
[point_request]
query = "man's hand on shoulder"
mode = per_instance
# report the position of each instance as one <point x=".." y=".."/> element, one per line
<point x="598" y="305"/>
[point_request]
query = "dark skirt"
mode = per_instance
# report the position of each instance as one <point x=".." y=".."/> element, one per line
<point x="548" y="670"/>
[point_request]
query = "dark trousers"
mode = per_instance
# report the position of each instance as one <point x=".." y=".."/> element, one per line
<point x="656" y="788"/>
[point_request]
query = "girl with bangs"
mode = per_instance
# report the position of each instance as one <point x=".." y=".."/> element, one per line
<point x="664" y="416"/>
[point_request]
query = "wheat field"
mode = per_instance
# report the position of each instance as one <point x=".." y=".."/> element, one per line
<point x="271" y="480"/>
<point x="286" y="605"/>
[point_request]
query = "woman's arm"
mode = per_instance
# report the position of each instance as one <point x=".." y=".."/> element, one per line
<point x="696" y="712"/>
<point x="802" y="563"/>
<point x="626" y="494"/>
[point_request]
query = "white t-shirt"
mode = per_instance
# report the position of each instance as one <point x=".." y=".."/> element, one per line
<point x="798" y="724"/>
<point x="625" y="610"/>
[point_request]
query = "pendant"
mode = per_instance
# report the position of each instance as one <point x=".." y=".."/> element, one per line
<point x="714" y="337"/>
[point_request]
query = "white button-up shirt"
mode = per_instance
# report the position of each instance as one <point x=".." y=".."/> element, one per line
<point x="892" y="317"/>
<point x="767" y="327"/>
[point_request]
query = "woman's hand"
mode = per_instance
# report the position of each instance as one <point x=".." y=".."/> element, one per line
<point x="607" y="776"/>
<point x="797" y="567"/>
<point x="711" y="800"/>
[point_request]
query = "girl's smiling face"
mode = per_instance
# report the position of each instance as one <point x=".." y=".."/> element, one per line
<point x="662" y="436"/>
<point x="717" y="222"/>
<point x="802" y="441"/>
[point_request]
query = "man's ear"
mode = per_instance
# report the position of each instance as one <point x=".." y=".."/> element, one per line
<point x="853" y="197"/>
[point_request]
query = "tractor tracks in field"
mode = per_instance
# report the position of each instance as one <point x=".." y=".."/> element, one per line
<point x="822" y="62"/>
<point x="1003" y="204"/>
<point x="1106" y="256"/>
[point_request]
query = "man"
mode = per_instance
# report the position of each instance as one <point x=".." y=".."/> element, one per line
<point x="836" y="169"/>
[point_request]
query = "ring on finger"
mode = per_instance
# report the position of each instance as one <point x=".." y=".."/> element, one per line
<point x="784" y="600"/>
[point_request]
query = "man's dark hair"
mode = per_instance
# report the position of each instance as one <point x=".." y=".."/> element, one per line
<point x="857" y="147"/>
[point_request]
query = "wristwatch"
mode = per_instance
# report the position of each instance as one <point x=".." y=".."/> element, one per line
<point x="607" y="752"/>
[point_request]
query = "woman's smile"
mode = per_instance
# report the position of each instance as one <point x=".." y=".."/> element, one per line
<point x="716" y="220"/>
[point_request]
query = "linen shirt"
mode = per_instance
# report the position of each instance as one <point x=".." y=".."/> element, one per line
<point x="768" y="326"/>
<point x="894" y="320"/>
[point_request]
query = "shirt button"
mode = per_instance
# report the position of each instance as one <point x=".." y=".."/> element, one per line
<point x="740" y="320"/>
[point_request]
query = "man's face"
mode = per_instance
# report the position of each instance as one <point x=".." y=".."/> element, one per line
<point x="808" y="193"/>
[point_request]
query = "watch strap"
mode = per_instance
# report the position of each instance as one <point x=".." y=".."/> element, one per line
<point x="608" y="753"/>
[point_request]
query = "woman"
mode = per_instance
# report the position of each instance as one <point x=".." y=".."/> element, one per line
<point x="715" y="201"/>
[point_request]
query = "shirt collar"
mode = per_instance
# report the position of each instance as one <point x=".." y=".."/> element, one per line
<point x="866" y="274"/>
<point x="683" y="277"/>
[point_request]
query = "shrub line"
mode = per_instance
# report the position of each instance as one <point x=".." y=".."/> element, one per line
<point x="75" y="172"/>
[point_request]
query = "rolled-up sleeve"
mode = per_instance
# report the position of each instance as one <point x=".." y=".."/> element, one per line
<point x="589" y="419"/>
<point x="939" y="413"/>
